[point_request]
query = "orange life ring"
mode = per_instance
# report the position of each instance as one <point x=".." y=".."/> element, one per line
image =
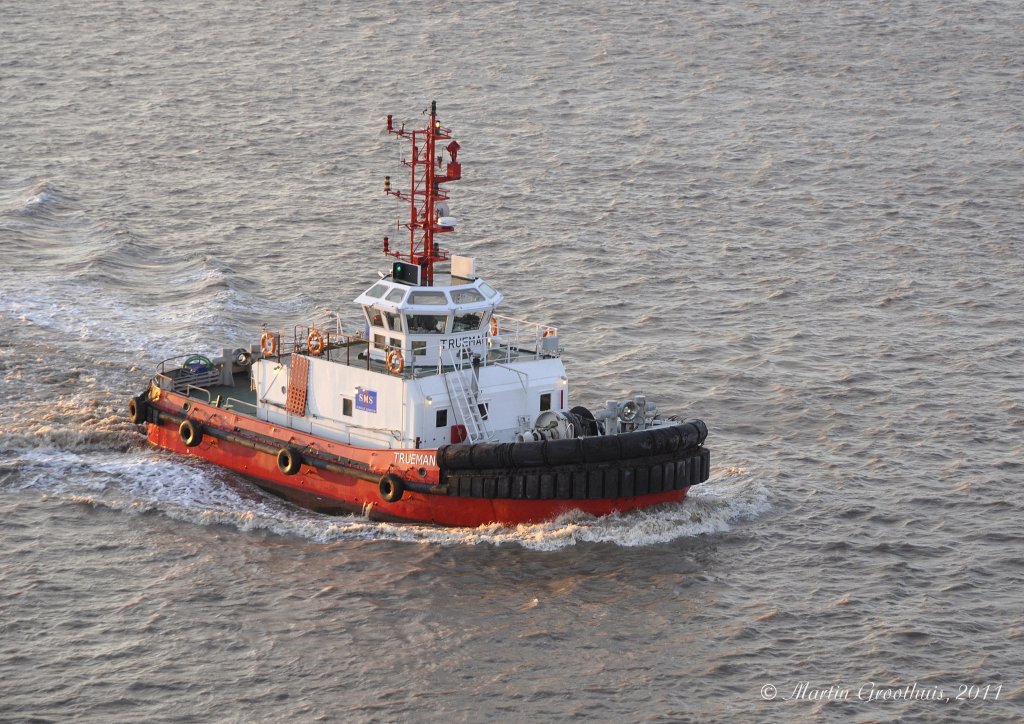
<point x="395" y="362"/>
<point x="268" y="344"/>
<point x="315" y="343"/>
<point x="494" y="326"/>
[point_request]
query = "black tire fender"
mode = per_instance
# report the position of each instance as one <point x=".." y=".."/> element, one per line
<point x="563" y="452"/>
<point x="695" y="471"/>
<point x="391" y="488"/>
<point x="488" y="455"/>
<point x="190" y="432"/>
<point x="604" y="448"/>
<point x="527" y="454"/>
<point x="638" y="444"/>
<point x="289" y="460"/>
<point x="456" y="457"/>
<point x="137" y="409"/>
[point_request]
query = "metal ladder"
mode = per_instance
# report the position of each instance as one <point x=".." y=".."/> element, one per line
<point x="465" y="399"/>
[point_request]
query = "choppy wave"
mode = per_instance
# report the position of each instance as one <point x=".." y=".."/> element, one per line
<point x="87" y="278"/>
<point x="30" y="198"/>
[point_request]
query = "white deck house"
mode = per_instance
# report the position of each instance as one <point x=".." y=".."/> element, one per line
<point x="433" y="365"/>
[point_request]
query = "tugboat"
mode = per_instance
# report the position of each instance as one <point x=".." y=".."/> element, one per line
<point x="438" y="410"/>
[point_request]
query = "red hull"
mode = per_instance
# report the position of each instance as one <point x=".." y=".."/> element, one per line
<point x="335" y="492"/>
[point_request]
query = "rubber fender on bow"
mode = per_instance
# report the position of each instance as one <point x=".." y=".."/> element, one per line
<point x="694" y="432"/>
<point x="668" y="476"/>
<point x="190" y="432"/>
<point x="672" y="436"/>
<point x="563" y="452"/>
<point x="603" y="448"/>
<point x="289" y="460"/>
<point x="457" y="457"/>
<point x="675" y="439"/>
<point x="637" y="444"/>
<point x="137" y="409"/>
<point x="627" y="482"/>
<point x="528" y="454"/>
<point x="641" y="480"/>
<point x="695" y="470"/>
<point x="683" y="473"/>
<point x="391" y="488"/>
<point x="662" y="441"/>
<point x="489" y="455"/>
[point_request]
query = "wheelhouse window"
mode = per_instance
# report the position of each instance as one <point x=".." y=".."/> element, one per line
<point x="441" y="418"/>
<point x="466" y="296"/>
<point x="545" y="401"/>
<point x="378" y="341"/>
<point x="396" y="295"/>
<point x="467" y="322"/>
<point x="346" y="406"/>
<point x="419" y="349"/>
<point x="394" y="321"/>
<point x="374" y="317"/>
<point x="436" y="298"/>
<point x="427" y="323"/>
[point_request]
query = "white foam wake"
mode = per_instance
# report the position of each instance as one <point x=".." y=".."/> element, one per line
<point x="147" y="480"/>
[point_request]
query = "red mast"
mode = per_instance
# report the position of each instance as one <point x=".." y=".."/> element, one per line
<point x="425" y="196"/>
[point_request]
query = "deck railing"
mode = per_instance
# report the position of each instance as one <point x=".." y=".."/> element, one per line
<point x="517" y="338"/>
<point x="508" y="339"/>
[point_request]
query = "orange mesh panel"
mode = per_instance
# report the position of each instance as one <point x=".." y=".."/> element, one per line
<point x="298" y="380"/>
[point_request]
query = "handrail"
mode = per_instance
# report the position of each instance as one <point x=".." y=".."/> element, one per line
<point x="523" y="377"/>
<point x="163" y="363"/>
<point x="190" y="388"/>
<point x="235" y="400"/>
<point x="521" y="334"/>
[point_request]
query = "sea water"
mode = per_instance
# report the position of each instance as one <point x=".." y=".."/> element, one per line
<point x="802" y="223"/>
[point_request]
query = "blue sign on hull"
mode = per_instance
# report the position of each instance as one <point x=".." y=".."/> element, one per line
<point x="366" y="400"/>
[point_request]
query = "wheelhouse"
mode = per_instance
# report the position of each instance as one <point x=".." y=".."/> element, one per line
<point x="428" y="325"/>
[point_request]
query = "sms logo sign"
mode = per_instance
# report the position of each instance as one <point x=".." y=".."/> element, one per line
<point x="366" y="400"/>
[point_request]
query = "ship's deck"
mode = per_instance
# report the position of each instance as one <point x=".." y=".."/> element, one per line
<point x="239" y="398"/>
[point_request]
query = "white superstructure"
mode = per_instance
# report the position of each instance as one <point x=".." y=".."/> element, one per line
<point x="433" y="365"/>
